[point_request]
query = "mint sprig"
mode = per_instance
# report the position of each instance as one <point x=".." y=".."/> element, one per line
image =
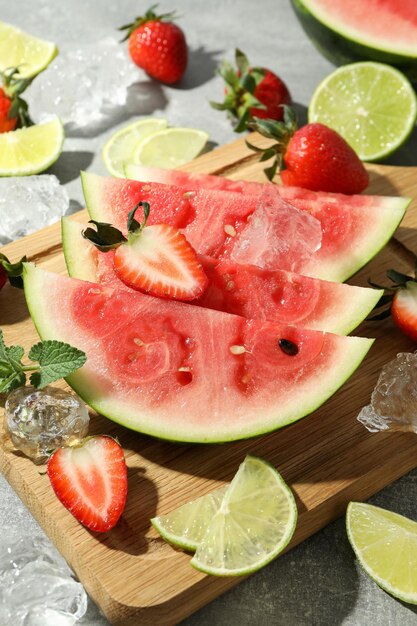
<point x="51" y="360"/>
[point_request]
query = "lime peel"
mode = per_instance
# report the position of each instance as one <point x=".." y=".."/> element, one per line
<point x="170" y="148"/>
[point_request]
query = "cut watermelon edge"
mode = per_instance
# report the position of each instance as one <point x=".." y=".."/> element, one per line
<point x="81" y="264"/>
<point x="345" y="361"/>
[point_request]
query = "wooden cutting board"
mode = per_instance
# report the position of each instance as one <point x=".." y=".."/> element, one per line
<point x="327" y="458"/>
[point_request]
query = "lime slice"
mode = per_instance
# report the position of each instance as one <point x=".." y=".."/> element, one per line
<point x="31" y="150"/>
<point x="372" y="105"/>
<point x="18" y="49"/>
<point x="186" y="526"/>
<point x="122" y="145"/>
<point x="254" y="523"/>
<point x="385" y="544"/>
<point x="171" y="148"/>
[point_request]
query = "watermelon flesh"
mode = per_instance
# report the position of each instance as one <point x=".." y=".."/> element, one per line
<point x="245" y="290"/>
<point x="353" y="228"/>
<point x="185" y="373"/>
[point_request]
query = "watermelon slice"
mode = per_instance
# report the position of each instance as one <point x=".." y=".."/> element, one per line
<point x="354" y="228"/>
<point x="186" y="373"/>
<point x="354" y="30"/>
<point x="248" y="291"/>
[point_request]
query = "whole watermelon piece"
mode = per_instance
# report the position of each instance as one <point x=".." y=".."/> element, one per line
<point x="186" y="373"/>
<point x="346" y="31"/>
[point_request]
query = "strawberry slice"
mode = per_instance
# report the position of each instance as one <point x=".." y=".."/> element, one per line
<point x="401" y="301"/>
<point x="90" y="480"/>
<point x="154" y="259"/>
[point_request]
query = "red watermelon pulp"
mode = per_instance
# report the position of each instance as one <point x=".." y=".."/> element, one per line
<point x="354" y="228"/>
<point x="185" y="373"/>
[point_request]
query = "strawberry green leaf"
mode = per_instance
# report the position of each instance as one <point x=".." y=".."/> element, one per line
<point x="242" y="62"/>
<point x="106" y="237"/>
<point x="56" y="360"/>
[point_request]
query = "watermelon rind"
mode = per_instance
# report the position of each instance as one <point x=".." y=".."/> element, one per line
<point x="347" y="354"/>
<point x="340" y="319"/>
<point x="341" y="44"/>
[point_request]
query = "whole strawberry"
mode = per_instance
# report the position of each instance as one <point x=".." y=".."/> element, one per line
<point x="13" y="109"/>
<point x="158" y="46"/>
<point x="314" y="157"/>
<point x="251" y="92"/>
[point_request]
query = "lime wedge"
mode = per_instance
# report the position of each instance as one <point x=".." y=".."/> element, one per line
<point x="31" y="150"/>
<point x="186" y="526"/>
<point x="385" y="544"/>
<point x="18" y="49"/>
<point x="122" y="145"/>
<point x="171" y="148"/>
<point x="372" y="105"/>
<point x="254" y="523"/>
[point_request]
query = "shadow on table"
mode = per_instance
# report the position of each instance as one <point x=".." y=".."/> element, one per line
<point x="69" y="164"/>
<point x="314" y="584"/>
<point x="201" y="68"/>
<point x="407" y="154"/>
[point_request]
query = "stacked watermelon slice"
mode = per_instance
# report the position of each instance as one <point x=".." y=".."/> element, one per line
<point x="259" y="351"/>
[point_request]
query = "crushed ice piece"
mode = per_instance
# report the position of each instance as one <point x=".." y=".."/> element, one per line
<point x="277" y="235"/>
<point x="84" y="85"/>
<point x="38" y="421"/>
<point x="28" y="203"/>
<point x="394" y="399"/>
<point x="37" y="588"/>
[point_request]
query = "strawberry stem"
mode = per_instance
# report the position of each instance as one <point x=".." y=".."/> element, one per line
<point x="133" y="225"/>
<point x="150" y="16"/>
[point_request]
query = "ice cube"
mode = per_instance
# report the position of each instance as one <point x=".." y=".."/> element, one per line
<point x="394" y="399"/>
<point x="36" y="585"/>
<point x="39" y="421"/>
<point x="277" y="235"/>
<point x="28" y="203"/>
<point x="85" y="85"/>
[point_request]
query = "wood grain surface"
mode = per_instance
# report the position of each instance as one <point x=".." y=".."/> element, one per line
<point x="327" y="458"/>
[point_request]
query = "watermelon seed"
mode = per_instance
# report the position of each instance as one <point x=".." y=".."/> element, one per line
<point x="230" y="285"/>
<point x="230" y="230"/>
<point x="138" y="341"/>
<point x="189" y="194"/>
<point x="184" y="375"/>
<point x="94" y="291"/>
<point x="237" y="349"/>
<point x="288" y="347"/>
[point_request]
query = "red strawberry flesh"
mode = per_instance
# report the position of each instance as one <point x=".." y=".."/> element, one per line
<point x="160" y="261"/>
<point x="404" y="309"/>
<point x="91" y="481"/>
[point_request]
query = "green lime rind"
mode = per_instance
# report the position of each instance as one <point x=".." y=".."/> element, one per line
<point x="341" y="45"/>
<point x="186" y="526"/>
<point x="19" y="49"/>
<point x="385" y="544"/>
<point x="255" y="522"/>
<point x="372" y="105"/>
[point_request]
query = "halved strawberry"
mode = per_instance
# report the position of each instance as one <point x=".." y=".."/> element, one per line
<point x="402" y="302"/>
<point x="155" y="259"/>
<point x="90" y="479"/>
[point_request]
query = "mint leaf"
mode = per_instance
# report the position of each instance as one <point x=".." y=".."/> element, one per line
<point x="56" y="360"/>
<point x="11" y="369"/>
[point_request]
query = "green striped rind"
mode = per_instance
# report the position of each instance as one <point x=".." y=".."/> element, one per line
<point x="222" y="536"/>
<point x="406" y="526"/>
<point x="354" y="303"/>
<point x="93" y="188"/>
<point x="387" y="219"/>
<point x="340" y="45"/>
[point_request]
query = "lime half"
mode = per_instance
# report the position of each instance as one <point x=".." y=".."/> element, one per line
<point x="170" y="148"/>
<point x="186" y="526"/>
<point x="31" y="150"/>
<point x="122" y="145"/>
<point x="385" y="544"/>
<point x="372" y="105"/>
<point x="255" y="521"/>
<point x="18" y="49"/>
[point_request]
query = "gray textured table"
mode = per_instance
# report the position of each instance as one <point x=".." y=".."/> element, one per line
<point x="318" y="583"/>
